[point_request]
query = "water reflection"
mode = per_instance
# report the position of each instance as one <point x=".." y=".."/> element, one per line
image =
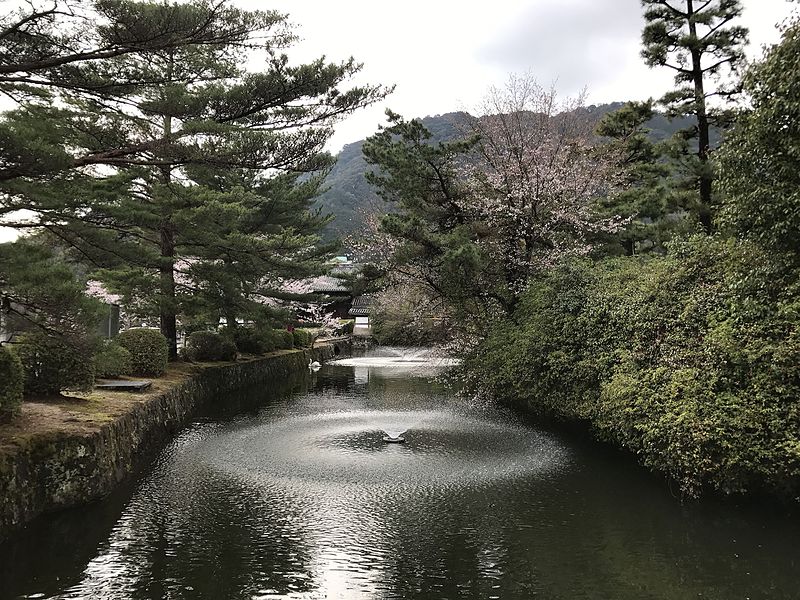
<point x="293" y="494"/>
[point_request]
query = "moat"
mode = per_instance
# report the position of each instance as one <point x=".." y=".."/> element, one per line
<point x="292" y="492"/>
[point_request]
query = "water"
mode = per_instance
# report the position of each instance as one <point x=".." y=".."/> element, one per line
<point x="292" y="493"/>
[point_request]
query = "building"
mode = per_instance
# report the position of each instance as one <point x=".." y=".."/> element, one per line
<point x="360" y="311"/>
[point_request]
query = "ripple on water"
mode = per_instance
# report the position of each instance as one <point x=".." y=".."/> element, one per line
<point x="443" y="449"/>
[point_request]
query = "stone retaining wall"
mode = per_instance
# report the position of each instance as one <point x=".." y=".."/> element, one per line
<point x="64" y="469"/>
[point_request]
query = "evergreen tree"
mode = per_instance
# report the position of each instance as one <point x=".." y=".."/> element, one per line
<point x="48" y="48"/>
<point x="438" y="248"/>
<point x="270" y="235"/>
<point x="646" y="196"/>
<point x="40" y="292"/>
<point x="133" y="207"/>
<point x="696" y="39"/>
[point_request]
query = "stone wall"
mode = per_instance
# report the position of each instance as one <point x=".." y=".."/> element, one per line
<point x="63" y="469"/>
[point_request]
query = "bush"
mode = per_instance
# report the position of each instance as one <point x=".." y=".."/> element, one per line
<point x="691" y="361"/>
<point x="254" y="341"/>
<point x="149" y="351"/>
<point x="209" y="346"/>
<point x="112" y="361"/>
<point x="284" y="340"/>
<point x="12" y="381"/>
<point x="55" y="364"/>
<point x="302" y="338"/>
<point x="347" y="327"/>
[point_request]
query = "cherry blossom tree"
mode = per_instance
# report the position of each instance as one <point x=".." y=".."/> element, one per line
<point x="481" y="217"/>
<point x="538" y="180"/>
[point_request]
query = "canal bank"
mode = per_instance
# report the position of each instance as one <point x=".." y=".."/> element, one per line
<point x="70" y="452"/>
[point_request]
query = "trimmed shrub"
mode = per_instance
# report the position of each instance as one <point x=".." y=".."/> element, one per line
<point x="149" y="350"/>
<point x="254" y="341"/>
<point x="284" y="340"/>
<point x="112" y="361"/>
<point x="209" y="346"/>
<point x="12" y="382"/>
<point x="347" y="327"/>
<point x="302" y="338"/>
<point x="54" y="364"/>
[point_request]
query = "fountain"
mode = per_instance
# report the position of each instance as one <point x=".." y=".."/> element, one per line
<point x="394" y="437"/>
<point x="406" y="359"/>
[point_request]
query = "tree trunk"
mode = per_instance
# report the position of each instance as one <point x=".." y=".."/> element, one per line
<point x="629" y="246"/>
<point x="169" y="321"/>
<point x="167" y="303"/>
<point x="230" y="319"/>
<point x="706" y="190"/>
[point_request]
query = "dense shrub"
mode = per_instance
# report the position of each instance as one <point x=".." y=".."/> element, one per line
<point x="284" y="340"/>
<point x="254" y="341"/>
<point x="55" y="364"/>
<point x="149" y="351"/>
<point x="209" y="346"/>
<point x="691" y="361"/>
<point x="347" y="327"/>
<point x="112" y="361"/>
<point x="12" y="380"/>
<point x="302" y="338"/>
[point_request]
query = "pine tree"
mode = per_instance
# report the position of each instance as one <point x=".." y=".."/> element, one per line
<point x="119" y="186"/>
<point x="40" y="292"/>
<point x="646" y="196"/>
<point x="696" y="39"/>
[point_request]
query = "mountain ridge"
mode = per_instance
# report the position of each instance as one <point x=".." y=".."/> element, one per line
<point x="349" y="197"/>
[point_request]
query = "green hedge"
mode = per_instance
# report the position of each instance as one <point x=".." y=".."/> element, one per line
<point x="690" y="361"/>
<point x="112" y="361"/>
<point x="302" y="338"/>
<point x="254" y="341"/>
<point x="55" y="364"/>
<point x="209" y="346"/>
<point x="12" y="381"/>
<point x="284" y="340"/>
<point x="149" y="351"/>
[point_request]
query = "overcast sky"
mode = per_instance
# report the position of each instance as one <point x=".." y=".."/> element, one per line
<point x="443" y="54"/>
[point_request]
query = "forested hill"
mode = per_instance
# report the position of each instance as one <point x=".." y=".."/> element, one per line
<point x="349" y="197"/>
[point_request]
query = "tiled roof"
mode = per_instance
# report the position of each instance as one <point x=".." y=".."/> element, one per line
<point x="326" y="284"/>
<point x="360" y="307"/>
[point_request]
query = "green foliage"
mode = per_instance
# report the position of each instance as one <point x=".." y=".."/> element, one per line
<point x="284" y="340"/>
<point x="688" y="361"/>
<point x="647" y="197"/>
<point x="349" y="196"/>
<point x="302" y="338"/>
<point x="347" y="327"/>
<point x="112" y="361"/>
<point x="54" y="364"/>
<point x="12" y="381"/>
<point x="209" y="346"/>
<point x="422" y="179"/>
<point x="245" y="137"/>
<point x="251" y="340"/>
<point x="148" y="348"/>
<point x="760" y="163"/>
<point x="39" y="290"/>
